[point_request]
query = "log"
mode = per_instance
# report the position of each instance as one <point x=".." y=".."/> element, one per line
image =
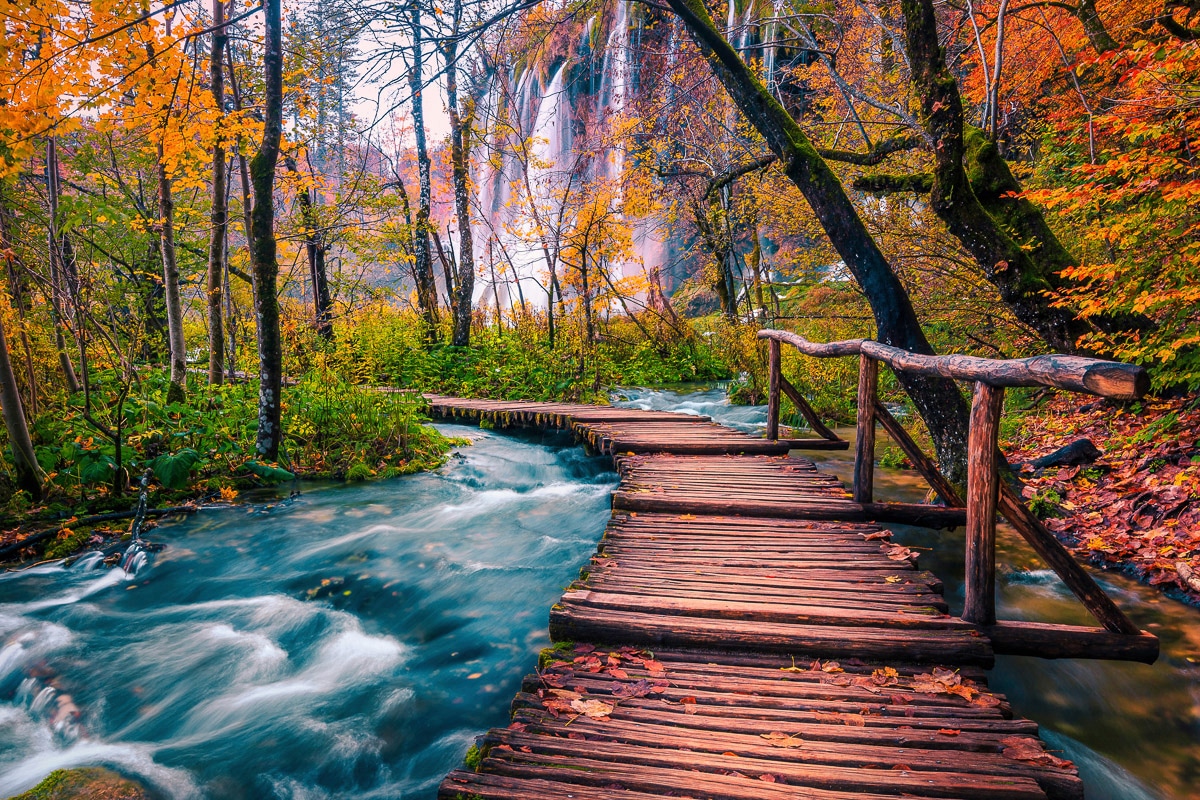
<point x="1060" y="560"/>
<point x="806" y="410"/>
<point x="773" y="376"/>
<point x="1074" y="373"/>
<point x="849" y="347"/>
<point x="864" y="453"/>
<point x="1080" y="451"/>
<point x="1070" y="641"/>
<point x="982" y="488"/>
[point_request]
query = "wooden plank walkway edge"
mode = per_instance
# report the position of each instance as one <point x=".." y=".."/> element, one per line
<point x="716" y="647"/>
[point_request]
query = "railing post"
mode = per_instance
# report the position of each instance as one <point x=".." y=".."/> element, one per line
<point x="864" y="453"/>
<point x="983" y="486"/>
<point x="773" y="374"/>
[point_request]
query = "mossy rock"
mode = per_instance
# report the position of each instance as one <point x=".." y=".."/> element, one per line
<point x="93" y="783"/>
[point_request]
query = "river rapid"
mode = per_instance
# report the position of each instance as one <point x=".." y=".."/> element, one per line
<point x="1133" y="729"/>
<point x="353" y="641"/>
<point x="348" y="643"/>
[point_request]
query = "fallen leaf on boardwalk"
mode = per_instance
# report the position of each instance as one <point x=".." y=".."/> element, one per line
<point x="689" y="705"/>
<point x="949" y="731"/>
<point x="986" y="701"/>
<point x="892" y="579"/>
<point x="899" y="552"/>
<point x="902" y="768"/>
<point x="1030" y="750"/>
<point x="766" y="777"/>
<point x="618" y="673"/>
<point x="596" y="709"/>
<point x="687" y="516"/>
<point x="655" y="667"/>
<point x="557" y="679"/>
<point x="626" y="690"/>
<point x="830" y="666"/>
<point x="779" y="739"/>
<point x="887" y="676"/>
<point x="583" y="649"/>
<point x="870" y="537"/>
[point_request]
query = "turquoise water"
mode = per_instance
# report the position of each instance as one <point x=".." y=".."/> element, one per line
<point x="226" y="668"/>
<point x="1133" y="729"/>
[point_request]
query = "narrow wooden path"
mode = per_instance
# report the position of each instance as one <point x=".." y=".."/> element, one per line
<point x="744" y="632"/>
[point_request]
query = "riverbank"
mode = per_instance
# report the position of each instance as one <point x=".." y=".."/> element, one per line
<point x="1135" y="507"/>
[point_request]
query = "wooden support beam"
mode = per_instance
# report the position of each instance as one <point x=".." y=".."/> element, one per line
<point x="1064" y="564"/>
<point x="922" y="462"/>
<point x="806" y="410"/>
<point x="982" y="488"/>
<point x="864" y="454"/>
<point x="1070" y="641"/>
<point x="773" y="376"/>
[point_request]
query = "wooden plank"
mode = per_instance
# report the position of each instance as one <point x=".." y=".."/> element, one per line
<point x="941" y="646"/>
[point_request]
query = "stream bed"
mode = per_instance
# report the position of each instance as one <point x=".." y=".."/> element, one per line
<point x="353" y="641"/>
<point x="1133" y="729"/>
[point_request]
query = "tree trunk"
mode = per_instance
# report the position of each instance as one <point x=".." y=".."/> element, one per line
<point x="465" y="289"/>
<point x="315" y="248"/>
<point x="17" y="290"/>
<point x="423" y="266"/>
<point x="937" y="399"/>
<point x="1093" y="26"/>
<point x="263" y="258"/>
<point x="220" y="208"/>
<point x="57" y="269"/>
<point x="29" y="472"/>
<point x="1008" y="238"/>
<point x="175" y="342"/>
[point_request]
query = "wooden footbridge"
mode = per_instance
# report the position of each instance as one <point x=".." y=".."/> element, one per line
<point x="748" y="631"/>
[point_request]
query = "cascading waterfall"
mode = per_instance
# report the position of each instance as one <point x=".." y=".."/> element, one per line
<point x="547" y="109"/>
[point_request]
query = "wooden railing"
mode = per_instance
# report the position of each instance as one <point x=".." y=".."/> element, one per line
<point x="987" y="493"/>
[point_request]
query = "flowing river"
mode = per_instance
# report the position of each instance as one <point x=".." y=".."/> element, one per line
<point x="352" y="642"/>
<point x="349" y="643"/>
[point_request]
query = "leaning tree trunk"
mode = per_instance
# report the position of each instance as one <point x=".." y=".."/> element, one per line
<point x="175" y="342"/>
<point x="465" y="288"/>
<point x="29" y="473"/>
<point x="263" y="256"/>
<point x="220" y="208"/>
<point x="423" y="268"/>
<point x="1007" y="237"/>
<point x="937" y="399"/>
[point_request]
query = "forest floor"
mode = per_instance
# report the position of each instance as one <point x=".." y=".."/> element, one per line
<point x="1136" y="508"/>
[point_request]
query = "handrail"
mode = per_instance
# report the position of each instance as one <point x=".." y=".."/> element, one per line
<point x="985" y="494"/>
<point x="1111" y="379"/>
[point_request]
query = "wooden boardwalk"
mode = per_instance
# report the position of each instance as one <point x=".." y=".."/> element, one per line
<point x="745" y="632"/>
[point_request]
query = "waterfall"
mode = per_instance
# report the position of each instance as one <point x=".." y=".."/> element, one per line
<point x="579" y="92"/>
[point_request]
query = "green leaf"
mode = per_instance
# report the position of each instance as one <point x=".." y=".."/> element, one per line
<point x="174" y="469"/>
<point x="269" y="473"/>
<point x="96" y="467"/>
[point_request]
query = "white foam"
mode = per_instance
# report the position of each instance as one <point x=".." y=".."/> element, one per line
<point x="131" y="759"/>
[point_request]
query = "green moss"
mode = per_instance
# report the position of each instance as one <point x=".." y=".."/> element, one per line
<point x="556" y="653"/>
<point x="359" y="472"/>
<point x="475" y="756"/>
<point x="88" y="783"/>
<point x="66" y="545"/>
